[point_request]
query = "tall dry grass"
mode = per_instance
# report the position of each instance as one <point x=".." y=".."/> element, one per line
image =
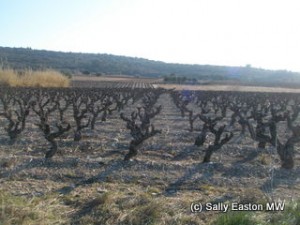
<point x="30" y="78"/>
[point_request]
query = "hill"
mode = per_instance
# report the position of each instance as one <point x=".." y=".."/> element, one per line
<point x="87" y="63"/>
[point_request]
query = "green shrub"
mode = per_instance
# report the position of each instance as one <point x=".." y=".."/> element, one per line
<point x="235" y="218"/>
<point x="290" y="215"/>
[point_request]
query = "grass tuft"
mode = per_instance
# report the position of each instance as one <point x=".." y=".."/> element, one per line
<point x="23" y="211"/>
<point x="235" y="218"/>
<point x="144" y="214"/>
<point x="290" y="215"/>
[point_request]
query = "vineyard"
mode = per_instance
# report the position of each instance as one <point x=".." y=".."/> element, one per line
<point x="128" y="150"/>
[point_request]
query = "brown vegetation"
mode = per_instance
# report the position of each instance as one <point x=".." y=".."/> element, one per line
<point x="30" y="78"/>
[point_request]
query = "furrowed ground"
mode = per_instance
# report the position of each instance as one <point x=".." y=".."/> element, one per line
<point x="89" y="182"/>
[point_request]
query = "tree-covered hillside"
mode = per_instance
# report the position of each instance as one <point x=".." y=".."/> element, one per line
<point x="20" y="58"/>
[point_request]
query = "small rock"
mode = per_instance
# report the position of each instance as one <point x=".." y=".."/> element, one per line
<point x="101" y="190"/>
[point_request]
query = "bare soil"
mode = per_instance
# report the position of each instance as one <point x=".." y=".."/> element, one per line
<point x="228" y="88"/>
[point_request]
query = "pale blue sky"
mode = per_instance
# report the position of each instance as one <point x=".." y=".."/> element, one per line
<point x="263" y="33"/>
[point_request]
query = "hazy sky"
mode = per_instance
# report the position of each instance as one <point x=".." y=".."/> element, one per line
<point x="263" y="33"/>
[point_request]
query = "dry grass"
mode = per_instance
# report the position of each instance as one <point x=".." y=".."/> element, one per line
<point x="31" y="211"/>
<point x="127" y="204"/>
<point x="30" y="78"/>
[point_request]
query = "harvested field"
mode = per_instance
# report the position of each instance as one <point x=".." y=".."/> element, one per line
<point x="113" y="81"/>
<point x="228" y="88"/>
<point x="127" y="81"/>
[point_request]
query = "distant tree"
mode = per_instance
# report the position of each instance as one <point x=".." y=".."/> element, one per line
<point x="23" y="58"/>
<point x="85" y="72"/>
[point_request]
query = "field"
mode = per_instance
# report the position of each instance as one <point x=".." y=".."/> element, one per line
<point x="102" y="81"/>
<point x="60" y="170"/>
<point x="113" y="81"/>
